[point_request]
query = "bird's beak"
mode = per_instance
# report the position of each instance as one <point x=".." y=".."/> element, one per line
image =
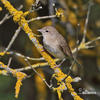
<point x="39" y="30"/>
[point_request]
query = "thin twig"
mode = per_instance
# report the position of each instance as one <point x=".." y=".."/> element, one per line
<point x="20" y="7"/>
<point x="39" y="18"/>
<point x="37" y="73"/>
<point x="29" y="58"/>
<point x="85" y="30"/>
<point x="36" y="6"/>
<point x="75" y="57"/>
<point x="86" y="22"/>
<point x="9" y="62"/>
<point x="7" y="16"/>
<point x="8" y="69"/>
<point x="88" y="43"/>
<point x="20" y="55"/>
<point x="70" y="69"/>
<point x="51" y="9"/>
<point x="13" y="39"/>
<point x="35" y="66"/>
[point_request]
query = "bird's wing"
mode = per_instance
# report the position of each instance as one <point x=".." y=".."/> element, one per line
<point x="63" y="45"/>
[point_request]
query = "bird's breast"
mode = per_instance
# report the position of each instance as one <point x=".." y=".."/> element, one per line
<point x="50" y="40"/>
<point x="52" y="47"/>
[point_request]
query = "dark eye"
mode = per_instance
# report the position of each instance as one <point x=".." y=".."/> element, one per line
<point x="47" y="31"/>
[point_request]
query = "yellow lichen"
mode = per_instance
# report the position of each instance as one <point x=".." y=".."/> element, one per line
<point x="59" y="95"/>
<point x="20" y="76"/>
<point x="0" y="8"/>
<point x="82" y="45"/>
<point x="3" y="72"/>
<point x="60" y="12"/>
<point x="2" y="53"/>
<point x="18" y="16"/>
<point x="2" y="65"/>
<point x="17" y="87"/>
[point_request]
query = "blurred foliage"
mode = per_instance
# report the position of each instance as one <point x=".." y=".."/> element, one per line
<point x="75" y="12"/>
<point x="7" y="88"/>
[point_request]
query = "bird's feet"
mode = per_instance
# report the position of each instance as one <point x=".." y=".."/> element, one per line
<point x="60" y="63"/>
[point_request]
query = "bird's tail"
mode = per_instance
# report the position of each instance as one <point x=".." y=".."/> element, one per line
<point x="73" y="60"/>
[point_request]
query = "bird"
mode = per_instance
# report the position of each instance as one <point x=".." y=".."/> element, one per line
<point x="55" y="43"/>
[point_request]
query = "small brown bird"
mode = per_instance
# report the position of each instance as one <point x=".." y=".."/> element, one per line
<point x="55" y="43"/>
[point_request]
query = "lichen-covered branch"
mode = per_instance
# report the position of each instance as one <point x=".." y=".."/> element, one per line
<point x="19" y="75"/>
<point x="19" y="17"/>
<point x="7" y="16"/>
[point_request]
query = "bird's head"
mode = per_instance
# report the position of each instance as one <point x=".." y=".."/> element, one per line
<point x="47" y="30"/>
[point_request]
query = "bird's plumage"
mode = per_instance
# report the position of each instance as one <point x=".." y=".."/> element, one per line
<point x="55" y="43"/>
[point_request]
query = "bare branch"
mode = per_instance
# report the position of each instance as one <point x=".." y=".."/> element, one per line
<point x="35" y="66"/>
<point x="51" y="9"/>
<point x="9" y="62"/>
<point x="7" y="16"/>
<point x="13" y="39"/>
<point x="86" y="22"/>
<point x="39" y="18"/>
<point x="29" y="58"/>
<point x="37" y="73"/>
<point x="88" y="43"/>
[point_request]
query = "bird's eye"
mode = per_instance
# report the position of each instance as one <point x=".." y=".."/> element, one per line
<point x="47" y="31"/>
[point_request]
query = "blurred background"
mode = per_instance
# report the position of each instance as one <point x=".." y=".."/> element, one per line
<point x="75" y="12"/>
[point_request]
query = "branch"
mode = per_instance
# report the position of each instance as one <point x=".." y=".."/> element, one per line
<point x="13" y="39"/>
<point x="51" y="9"/>
<point x="35" y="66"/>
<point x="83" y="44"/>
<point x="19" y="17"/>
<point x="86" y="22"/>
<point x="39" y="18"/>
<point x="7" y="16"/>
